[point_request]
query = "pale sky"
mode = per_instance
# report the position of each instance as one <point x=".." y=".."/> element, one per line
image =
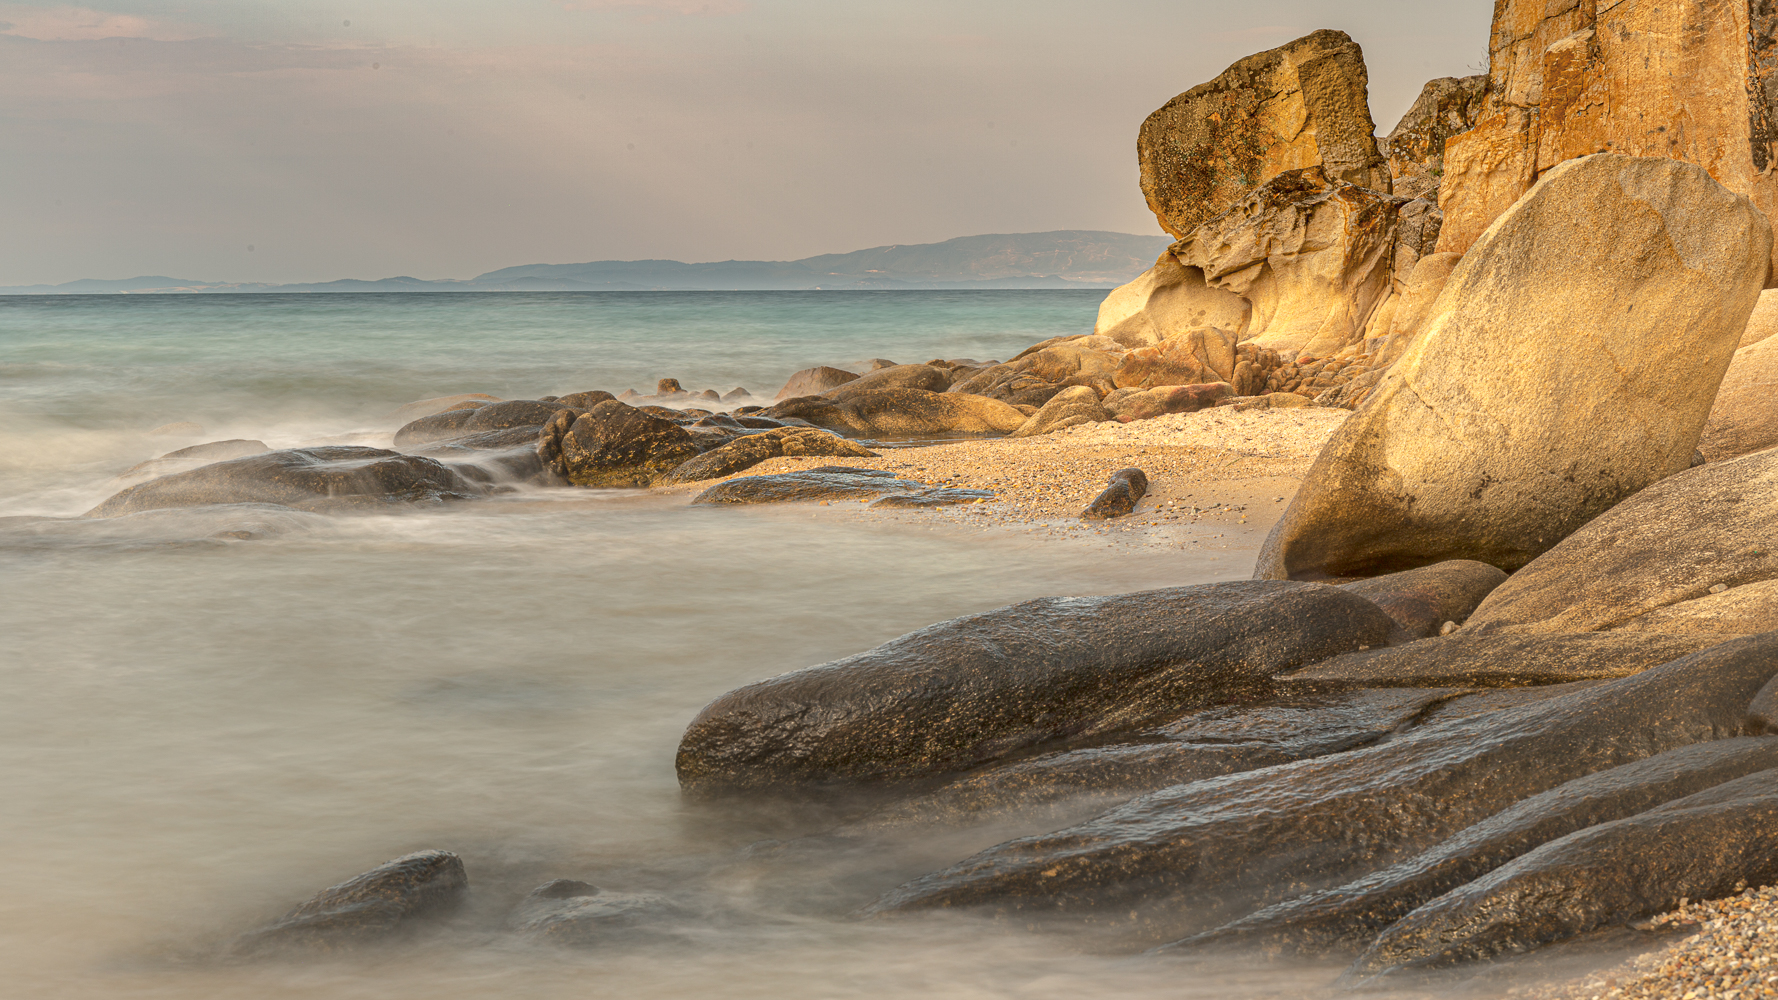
<point x="445" y="138"/>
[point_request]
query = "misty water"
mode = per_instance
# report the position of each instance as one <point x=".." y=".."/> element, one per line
<point x="201" y="731"/>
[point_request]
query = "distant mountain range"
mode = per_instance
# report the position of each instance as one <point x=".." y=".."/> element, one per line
<point x="1069" y="258"/>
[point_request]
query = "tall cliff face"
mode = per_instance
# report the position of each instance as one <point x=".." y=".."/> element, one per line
<point x="1693" y="80"/>
<point x="1300" y="105"/>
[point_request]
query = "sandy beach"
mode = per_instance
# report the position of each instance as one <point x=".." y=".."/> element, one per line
<point x="1218" y="479"/>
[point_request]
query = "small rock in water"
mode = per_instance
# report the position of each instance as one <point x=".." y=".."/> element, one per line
<point x="711" y="394"/>
<point x="736" y="393"/>
<point x="584" y="400"/>
<point x="667" y="387"/>
<point x="570" y="912"/>
<point x="375" y="905"/>
<point x="934" y="498"/>
<point x="628" y="394"/>
<point x="1120" y="497"/>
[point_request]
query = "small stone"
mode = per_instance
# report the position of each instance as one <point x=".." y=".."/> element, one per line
<point x="1719" y="588"/>
<point x="1447" y="628"/>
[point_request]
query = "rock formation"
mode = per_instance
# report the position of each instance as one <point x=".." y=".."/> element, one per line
<point x="1687" y="79"/>
<point x="1744" y="418"/>
<point x="1446" y="107"/>
<point x="1515" y="419"/>
<point x="1300" y="105"/>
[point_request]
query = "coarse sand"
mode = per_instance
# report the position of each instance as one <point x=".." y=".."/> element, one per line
<point x="1218" y="479"/>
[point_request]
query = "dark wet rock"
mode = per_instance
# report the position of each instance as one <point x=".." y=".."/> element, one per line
<point x="381" y="903"/>
<point x="718" y="420"/>
<point x="1191" y="857"/>
<point x="924" y="377"/>
<point x="1669" y="544"/>
<point x="665" y="412"/>
<point x="1488" y="700"/>
<point x="1705" y="846"/>
<point x="489" y="417"/>
<point x="333" y="478"/>
<point x="1346" y="918"/>
<point x="1070" y="785"/>
<point x="754" y="419"/>
<point x="433" y="427"/>
<point x="1126" y="489"/>
<point x="613" y="444"/>
<point x="1423" y="600"/>
<point x="746" y="452"/>
<point x="1462" y="660"/>
<point x="569" y="912"/>
<point x="891" y="413"/>
<point x="815" y="484"/>
<point x="967" y="691"/>
<point x="1762" y="712"/>
<point x="814" y="381"/>
<point x="927" y="499"/>
<point x="584" y="400"/>
<point x="736" y="393"/>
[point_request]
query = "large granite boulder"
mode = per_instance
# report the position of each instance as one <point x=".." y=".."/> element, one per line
<point x="1191" y="857"/>
<point x="1347" y="917"/>
<point x="964" y="692"/>
<point x="1205" y="354"/>
<point x="322" y="480"/>
<point x="1035" y="376"/>
<point x="811" y="381"/>
<point x="903" y="413"/>
<point x="1693" y="539"/>
<point x="1299" y="105"/>
<point x="1744" y="418"/>
<point x="1577" y="78"/>
<point x="931" y="378"/>
<point x="1164" y="300"/>
<point x="1312" y="254"/>
<point x="392" y="898"/>
<point x="1764" y="321"/>
<point x="1071" y="407"/>
<point x="1707" y="845"/>
<point x="1488" y="661"/>
<point x="613" y="444"/>
<point x="1446" y="107"/>
<point x="1423" y="600"/>
<point x="1516" y="419"/>
<point x="746" y="452"/>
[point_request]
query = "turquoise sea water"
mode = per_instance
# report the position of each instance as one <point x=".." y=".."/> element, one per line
<point x="196" y="732"/>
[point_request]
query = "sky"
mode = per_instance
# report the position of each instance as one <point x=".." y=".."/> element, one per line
<point x="307" y="140"/>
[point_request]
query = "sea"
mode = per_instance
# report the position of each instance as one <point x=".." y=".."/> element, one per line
<point x="198" y="732"/>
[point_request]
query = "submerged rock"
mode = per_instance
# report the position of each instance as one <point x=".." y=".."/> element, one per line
<point x="389" y="899"/>
<point x="928" y="498"/>
<point x="438" y="404"/>
<point x="569" y="912"/>
<point x="1514" y="420"/>
<point x="1662" y="550"/>
<point x="197" y="454"/>
<point x="1191" y="857"/>
<point x="1708" y="845"/>
<point x="964" y="692"/>
<point x="1346" y="918"/>
<point x="329" y="479"/>
<point x="1127" y="488"/>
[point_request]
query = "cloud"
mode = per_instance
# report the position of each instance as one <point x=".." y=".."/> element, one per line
<point x="657" y="8"/>
<point x="79" y="24"/>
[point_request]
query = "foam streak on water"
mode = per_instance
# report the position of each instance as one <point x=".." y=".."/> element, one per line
<point x="198" y="732"/>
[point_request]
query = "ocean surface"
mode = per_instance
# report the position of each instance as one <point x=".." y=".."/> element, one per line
<point x="199" y="732"/>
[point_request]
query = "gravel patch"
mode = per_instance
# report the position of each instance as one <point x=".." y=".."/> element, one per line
<point x="1733" y="956"/>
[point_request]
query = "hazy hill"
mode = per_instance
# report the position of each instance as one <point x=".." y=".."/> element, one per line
<point x="1064" y="259"/>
